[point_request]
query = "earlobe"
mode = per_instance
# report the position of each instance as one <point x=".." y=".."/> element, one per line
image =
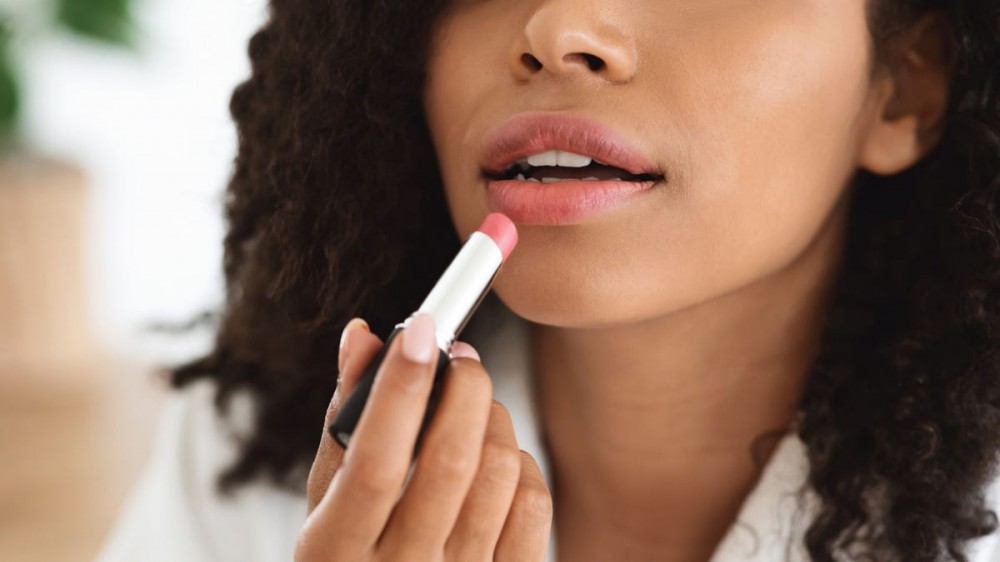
<point x="891" y="147"/>
<point x="910" y="98"/>
<point x="890" y="143"/>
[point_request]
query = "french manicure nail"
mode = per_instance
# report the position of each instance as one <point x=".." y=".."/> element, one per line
<point x="419" y="344"/>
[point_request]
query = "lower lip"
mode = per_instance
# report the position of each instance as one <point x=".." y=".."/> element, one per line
<point x="562" y="202"/>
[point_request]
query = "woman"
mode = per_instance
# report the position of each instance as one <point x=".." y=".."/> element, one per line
<point x="806" y="270"/>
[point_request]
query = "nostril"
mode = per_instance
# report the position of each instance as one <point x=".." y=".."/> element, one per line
<point x="593" y="62"/>
<point x="531" y="61"/>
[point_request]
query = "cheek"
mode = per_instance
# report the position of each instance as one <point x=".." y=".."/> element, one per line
<point x="760" y="114"/>
<point x="771" y="131"/>
<point x="465" y="75"/>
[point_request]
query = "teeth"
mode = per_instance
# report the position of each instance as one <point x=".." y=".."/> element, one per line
<point x="556" y="158"/>
<point x="570" y="160"/>
<point x="544" y="159"/>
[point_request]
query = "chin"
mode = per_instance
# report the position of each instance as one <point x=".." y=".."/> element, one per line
<point x="573" y="299"/>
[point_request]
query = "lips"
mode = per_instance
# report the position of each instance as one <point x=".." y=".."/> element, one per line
<point x="565" y="202"/>
<point x="527" y="134"/>
<point x="563" y="195"/>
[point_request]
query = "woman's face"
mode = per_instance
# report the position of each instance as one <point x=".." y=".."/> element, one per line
<point x="754" y="109"/>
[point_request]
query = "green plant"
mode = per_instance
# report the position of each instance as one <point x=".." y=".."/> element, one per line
<point x="108" y="21"/>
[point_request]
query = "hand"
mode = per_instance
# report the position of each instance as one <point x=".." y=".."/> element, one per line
<point x="472" y="495"/>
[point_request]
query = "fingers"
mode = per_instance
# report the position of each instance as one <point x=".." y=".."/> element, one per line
<point x="525" y="534"/>
<point x="462" y="349"/>
<point x="352" y="494"/>
<point x="358" y="347"/>
<point x="481" y="520"/>
<point x="364" y="490"/>
<point x="446" y="466"/>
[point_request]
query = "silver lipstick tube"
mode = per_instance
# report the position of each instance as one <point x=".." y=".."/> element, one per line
<point x="461" y="288"/>
<point x="451" y="303"/>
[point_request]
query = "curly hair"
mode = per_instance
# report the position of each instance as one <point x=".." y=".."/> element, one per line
<point x="900" y="414"/>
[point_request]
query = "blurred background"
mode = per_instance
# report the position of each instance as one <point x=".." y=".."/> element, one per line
<point x="115" y="148"/>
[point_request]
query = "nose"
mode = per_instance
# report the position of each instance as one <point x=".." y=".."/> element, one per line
<point x="574" y="37"/>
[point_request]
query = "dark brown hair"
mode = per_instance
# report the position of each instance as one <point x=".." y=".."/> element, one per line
<point x="901" y="411"/>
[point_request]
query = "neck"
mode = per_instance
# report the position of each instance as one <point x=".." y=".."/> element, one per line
<point x="651" y="427"/>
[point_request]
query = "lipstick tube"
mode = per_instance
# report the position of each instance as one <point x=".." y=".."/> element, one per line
<point x="451" y="303"/>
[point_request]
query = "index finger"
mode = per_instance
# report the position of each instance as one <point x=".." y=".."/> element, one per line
<point x="365" y="489"/>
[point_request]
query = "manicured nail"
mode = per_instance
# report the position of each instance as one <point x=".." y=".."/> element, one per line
<point x="463" y="349"/>
<point x="419" y="344"/>
<point x="345" y="336"/>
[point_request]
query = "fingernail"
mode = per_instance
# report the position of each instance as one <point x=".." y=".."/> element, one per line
<point x="345" y="336"/>
<point x="419" y="344"/>
<point x="463" y="349"/>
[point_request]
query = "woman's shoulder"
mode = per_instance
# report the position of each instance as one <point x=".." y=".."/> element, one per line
<point x="175" y="511"/>
<point x="777" y="513"/>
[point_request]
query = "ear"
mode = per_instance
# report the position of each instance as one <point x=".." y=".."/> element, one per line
<point x="910" y="93"/>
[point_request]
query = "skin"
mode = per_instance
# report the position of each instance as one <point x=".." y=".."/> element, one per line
<point x="666" y="335"/>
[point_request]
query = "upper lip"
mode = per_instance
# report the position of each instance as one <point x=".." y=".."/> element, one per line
<point x="526" y="134"/>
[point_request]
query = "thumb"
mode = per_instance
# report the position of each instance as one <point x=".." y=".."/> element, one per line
<point x="358" y="347"/>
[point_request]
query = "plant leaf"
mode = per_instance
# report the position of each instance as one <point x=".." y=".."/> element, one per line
<point x="10" y="91"/>
<point x="105" y="20"/>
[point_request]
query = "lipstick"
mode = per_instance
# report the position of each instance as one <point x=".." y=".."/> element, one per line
<point x="451" y="303"/>
<point x="563" y="202"/>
